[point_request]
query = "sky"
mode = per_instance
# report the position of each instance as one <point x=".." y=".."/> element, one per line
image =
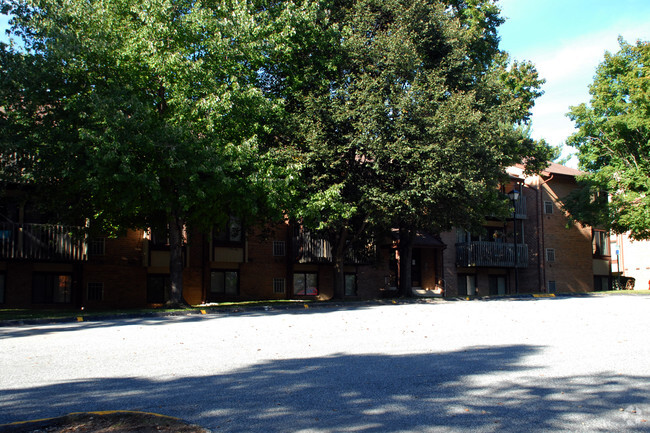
<point x="567" y="40"/>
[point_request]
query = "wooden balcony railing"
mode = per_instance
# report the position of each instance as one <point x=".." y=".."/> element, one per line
<point x="42" y="242"/>
<point x="309" y="248"/>
<point x="491" y="254"/>
<point x="520" y="208"/>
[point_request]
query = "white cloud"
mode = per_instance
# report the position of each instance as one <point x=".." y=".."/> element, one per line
<point x="569" y="69"/>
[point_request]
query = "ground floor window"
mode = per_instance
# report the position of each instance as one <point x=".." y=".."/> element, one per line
<point x="279" y="285"/>
<point x="466" y="285"/>
<point x="601" y="283"/>
<point x="2" y="288"/>
<point x="305" y="284"/>
<point x="158" y="288"/>
<point x="51" y="288"/>
<point x="224" y="282"/>
<point x="95" y="292"/>
<point x="350" y="284"/>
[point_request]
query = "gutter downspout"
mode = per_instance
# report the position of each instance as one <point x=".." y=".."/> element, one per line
<point x="543" y="238"/>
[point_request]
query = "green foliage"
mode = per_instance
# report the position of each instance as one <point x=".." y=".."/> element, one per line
<point x="613" y="142"/>
<point x="414" y="120"/>
<point x="142" y="114"/>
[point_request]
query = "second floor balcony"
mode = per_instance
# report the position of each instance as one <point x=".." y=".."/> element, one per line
<point x="42" y="242"/>
<point x="491" y="254"/>
<point x="309" y="248"/>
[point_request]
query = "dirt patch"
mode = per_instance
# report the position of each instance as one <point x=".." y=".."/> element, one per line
<point x="114" y="422"/>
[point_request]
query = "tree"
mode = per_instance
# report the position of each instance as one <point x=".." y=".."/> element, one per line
<point x="413" y="125"/>
<point x="613" y="142"/>
<point x="149" y="114"/>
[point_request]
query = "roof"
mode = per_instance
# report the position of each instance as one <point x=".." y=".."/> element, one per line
<point x="554" y="168"/>
<point x="517" y="170"/>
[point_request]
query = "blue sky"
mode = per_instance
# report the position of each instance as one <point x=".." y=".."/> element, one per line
<point x="566" y="40"/>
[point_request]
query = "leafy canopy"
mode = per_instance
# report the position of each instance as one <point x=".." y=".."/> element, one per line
<point x="142" y="110"/>
<point x="613" y="142"/>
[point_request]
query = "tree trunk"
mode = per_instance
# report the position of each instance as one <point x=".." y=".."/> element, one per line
<point x="406" y="238"/>
<point x="176" y="262"/>
<point x="338" y="253"/>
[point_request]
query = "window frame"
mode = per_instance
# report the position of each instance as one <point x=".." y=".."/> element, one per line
<point x="49" y="295"/>
<point x="99" y="287"/>
<point x="166" y="288"/>
<point x="279" y="286"/>
<point x="548" y="207"/>
<point x="355" y="287"/>
<point x="223" y="236"/>
<point x="598" y="237"/>
<point x="225" y="291"/>
<point x="279" y="248"/>
<point x="97" y="247"/>
<point x="306" y="290"/>
<point x="550" y="255"/>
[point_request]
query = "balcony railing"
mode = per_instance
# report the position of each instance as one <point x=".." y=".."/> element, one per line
<point x="42" y="242"/>
<point x="520" y="208"/>
<point x="309" y="248"/>
<point x="491" y="254"/>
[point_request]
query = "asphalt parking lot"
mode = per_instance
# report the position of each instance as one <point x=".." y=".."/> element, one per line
<point x="579" y="364"/>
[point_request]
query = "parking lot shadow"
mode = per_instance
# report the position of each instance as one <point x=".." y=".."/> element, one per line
<point x="478" y="389"/>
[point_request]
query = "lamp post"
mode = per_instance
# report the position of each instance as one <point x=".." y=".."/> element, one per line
<point x="514" y="196"/>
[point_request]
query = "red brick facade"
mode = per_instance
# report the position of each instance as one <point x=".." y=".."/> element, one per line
<point x="132" y="270"/>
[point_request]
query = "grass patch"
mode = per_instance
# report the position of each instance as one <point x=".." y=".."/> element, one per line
<point x="68" y="313"/>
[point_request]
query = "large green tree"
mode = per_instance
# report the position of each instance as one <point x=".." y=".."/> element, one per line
<point x="141" y="113"/>
<point x="613" y="142"/>
<point x="413" y="123"/>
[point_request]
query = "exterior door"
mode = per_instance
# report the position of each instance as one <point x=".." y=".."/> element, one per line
<point x="497" y="285"/>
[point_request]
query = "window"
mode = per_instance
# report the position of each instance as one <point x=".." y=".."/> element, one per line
<point x="350" y="284"/>
<point x="232" y="232"/>
<point x="95" y="292"/>
<point x="279" y="248"/>
<point x="466" y="285"/>
<point x="601" y="283"/>
<point x="2" y="288"/>
<point x="551" y="287"/>
<point x="550" y="254"/>
<point x="97" y="247"/>
<point x="160" y="236"/>
<point x="279" y="285"/>
<point x="158" y="288"/>
<point x="51" y="288"/>
<point x="305" y="284"/>
<point x="224" y="282"/>
<point x="600" y="243"/>
<point x="548" y="207"/>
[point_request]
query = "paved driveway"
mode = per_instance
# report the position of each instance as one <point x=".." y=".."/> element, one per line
<point x="556" y="364"/>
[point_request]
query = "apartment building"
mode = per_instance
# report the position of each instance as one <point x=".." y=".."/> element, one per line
<point x="536" y="250"/>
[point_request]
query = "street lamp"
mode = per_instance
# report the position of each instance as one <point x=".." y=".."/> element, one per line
<point x="514" y="196"/>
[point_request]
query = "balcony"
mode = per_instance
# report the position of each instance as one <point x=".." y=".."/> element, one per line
<point x="491" y="254"/>
<point x="42" y="242"/>
<point x="520" y="208"/>
<point x="309" y="248"/>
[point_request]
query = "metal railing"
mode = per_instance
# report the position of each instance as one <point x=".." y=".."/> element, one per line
<point x="42" y="242"/>
<point x="491" y="254"/>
